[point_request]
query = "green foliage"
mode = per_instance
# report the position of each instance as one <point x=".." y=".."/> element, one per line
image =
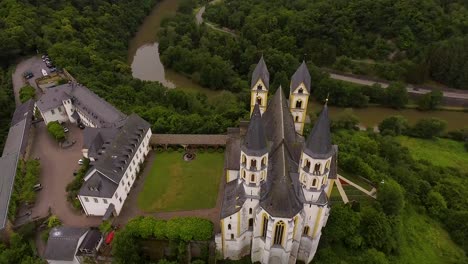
<point x="394" y="126"/>
<point x="105" y="226"/>
<point x="346" y="120"/>
<point x="182" y="228"/>
<point x="436" y="204"/>
<point x="431" y="100"/>
<point x="428" y="128"/>
<point x="126" y="248"/>
<point x="6" y="101"/>
<point x="397" y="95"/>
<point x="53" y="221"/>
<point x="390" y="197"/>
<point x="56" y="130"/>
<point x="27" y="92"/>
<point x="74" y="186"/>
<point x="18" y="251"/>
<point x="343" y="226"/>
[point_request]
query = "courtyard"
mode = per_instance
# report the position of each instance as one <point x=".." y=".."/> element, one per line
<point x="174" y="184"/>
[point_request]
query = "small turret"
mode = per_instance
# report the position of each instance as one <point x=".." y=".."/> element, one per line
<point x="254" y="152"/>
<point x="299" y="96"/>
<point x="259" y="86"/>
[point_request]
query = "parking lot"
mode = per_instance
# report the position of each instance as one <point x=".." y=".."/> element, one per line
<point x="57" y="167"/>
<point x="34" y="65"/>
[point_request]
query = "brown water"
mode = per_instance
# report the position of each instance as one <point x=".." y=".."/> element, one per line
<point x="143" y="52"/>
<point x="372" y="116"/>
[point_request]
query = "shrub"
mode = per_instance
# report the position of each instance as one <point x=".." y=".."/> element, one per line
<point x="394" y="125"/>
<point x="220" y="150"/>
<point x="105" y="226"/>
<point x="27" y="92"/>
<point x="211" y="149"/>
<point x="431" y="100"/>
<point x="170" y="149"/>
<point x="160" y="149"/>
<point x="53" y="221"/>
<point x="201" y="150"/>
<point x="429" y="128"/>
<point x="180" y="150"/>
<point x="56" y="130"/>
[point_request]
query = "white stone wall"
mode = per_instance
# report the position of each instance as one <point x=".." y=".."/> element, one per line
<point x="231" y="175"/>
<point x="253" y="174"/>
<point x="299" y="114"/>
<point x="67" y="104"/>
<point x="118" y="199"/>
<point x="57" y="114"/>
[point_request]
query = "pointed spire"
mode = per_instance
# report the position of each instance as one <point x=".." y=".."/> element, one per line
<point x="318" y="144"/>
<point x="301" y="75"/>
<point x="261" y="72"/>
<point x="255" y="141"/>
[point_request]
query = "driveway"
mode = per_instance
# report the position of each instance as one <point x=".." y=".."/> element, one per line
<point x="57" y="166"/>
<point x="33" y="64"/>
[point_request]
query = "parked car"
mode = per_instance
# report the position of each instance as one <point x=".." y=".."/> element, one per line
<point x="28" y="74"/>
<point x="65" y="129"/>
<point x="53" y="69"/>
<point x="80" y="161"/>
<point x="81" y="126"/>
<point x="44" y="73"/>
<point x="37" y="187"/>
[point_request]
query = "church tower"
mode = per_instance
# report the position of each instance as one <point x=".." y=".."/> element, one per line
<point x="299" y="96"/>
<point x="259" y="86"/>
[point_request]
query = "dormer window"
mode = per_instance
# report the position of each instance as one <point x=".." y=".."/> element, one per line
<point x="300" y="91"/>
<point x="259" y="87"/>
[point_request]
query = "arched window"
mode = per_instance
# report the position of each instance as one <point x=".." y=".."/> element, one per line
<point x="265" y="225"/>
<point x="327" y="166"/>
<point x="307" y="164"/>
<point x="244" y="160"/>
<point x="243" y="175"/>
<point x="250" y="210"/>
<point x="259" y="87"/>
<point x="262" y="175"/>
<point x="317" y="169"/>
<point x="259" y="100"/>
<point x="298" y="104"/>
<point x="306" y="230"/>
<point x="250" y="222"/>
<point x="252" y="178"/>
<point x="263" y="162"/>
<point x="279" y="233"/>
<point x="229" y="227"/>
<point x="314" y="182"/>
<point x="300" y="90"/>
<point x="253" y="163"/>
<point x="232" y="236"/>
<point x="296" y="118"/>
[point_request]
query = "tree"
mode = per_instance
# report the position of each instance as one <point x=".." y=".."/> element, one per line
<point x="346" y="120"/>
<point x="435" y="203"/>
<point x="376" y="229"/>
<point x="428" y="128"/>
<point x="27" y="92"/>
<point x="394" y="125"/>
<point x="373" y="256"/>
<point x="431" y="100"/>
<point x="390" y="197"/>
<point x="56" y="130"/>
<point x="125" y="248"/>
<point x="343" y="226"/>
<point x="396" y="95"/>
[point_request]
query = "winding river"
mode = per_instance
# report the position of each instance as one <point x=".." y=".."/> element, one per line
<point x="143" y="56"/>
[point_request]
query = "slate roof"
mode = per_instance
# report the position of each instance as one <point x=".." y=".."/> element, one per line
<point x="23" y="111"/>
<point x="17" y="138"/>
<point x="112" y="162"/>
<point x="255" y="141"/>
<point x="90" y="241"/>
<point x="94" y="107"/>
<point x="261" y="72"/>
<point x="234" y="198"/>
<point x="318" y="144"/>
<point x="63" y="243"/>
<point x="8" y="165"/>
<point x="301" y="75"/>
<point x="95" y="138"/>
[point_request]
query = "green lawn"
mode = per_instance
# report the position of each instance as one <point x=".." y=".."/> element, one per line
<point x="174" y="184"/>
<point x="425" y="241"/>
<point x="441" y="152"/>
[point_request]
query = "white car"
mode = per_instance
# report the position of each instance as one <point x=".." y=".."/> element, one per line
<point x="80" y="161"/>
<point x="44" y="73"/>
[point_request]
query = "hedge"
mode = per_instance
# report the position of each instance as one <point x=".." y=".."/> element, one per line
<point x="180" y="228"/>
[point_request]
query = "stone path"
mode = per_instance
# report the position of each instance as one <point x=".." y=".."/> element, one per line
<point x="131" y="210"/>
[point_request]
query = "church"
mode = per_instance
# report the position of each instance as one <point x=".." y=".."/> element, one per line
<point x="276" y="194"/>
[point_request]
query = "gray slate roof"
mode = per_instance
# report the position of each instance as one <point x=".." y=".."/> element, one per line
<point x="318" y="143"/>
<point x="97" y="109"/>
<point x="17" y="138"/>
<point x="90" y="241"/>
<point x="23" y="111"/>
<point x="8" y="165"/>
<point x="63" y="243"/>
<point x="96" y="138"/>
<point x="301" y="75"/>
<point x="255" y="141"/>
<point x="261" y="72"/>
<point x="113" y="161"/>
<point x="234" y="198"/>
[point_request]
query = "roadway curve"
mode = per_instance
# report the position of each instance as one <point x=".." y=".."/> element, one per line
<point x="199" y="19"/>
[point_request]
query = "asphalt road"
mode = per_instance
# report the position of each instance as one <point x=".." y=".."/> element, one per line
<point x="448" y="94"/>
<point x="33" y="64"/>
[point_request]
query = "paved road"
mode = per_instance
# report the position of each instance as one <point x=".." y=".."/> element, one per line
<point x="448" y="94"/>
<point x="33" y="64"/>
<point x="57" y="166"/>
<point x="199" y="19"/>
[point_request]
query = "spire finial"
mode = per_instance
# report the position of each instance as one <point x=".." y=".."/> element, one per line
<point x="326" y="100"/>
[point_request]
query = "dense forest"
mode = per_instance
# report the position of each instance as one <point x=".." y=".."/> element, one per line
<point x="411" y="41"/>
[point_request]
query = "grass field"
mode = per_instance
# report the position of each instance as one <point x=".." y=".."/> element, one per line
<point x="441" y="152"/>
<point x="174" y="184"/>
